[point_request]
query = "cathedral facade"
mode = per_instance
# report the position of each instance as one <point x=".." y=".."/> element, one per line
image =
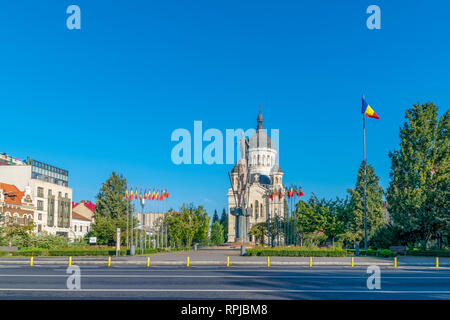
<point x="252" y="179"/>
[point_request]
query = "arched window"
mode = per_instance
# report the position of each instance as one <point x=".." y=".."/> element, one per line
<point x="251" y="210"/>
<point x="25" y="219"/>
<point x="259" y="160"/>
<point x="262" y="211"/>
<point x="15" y="217"/>
<point x="7" y="216"/>
<point x="75" y="228"/>
<point x="256" y="209"/>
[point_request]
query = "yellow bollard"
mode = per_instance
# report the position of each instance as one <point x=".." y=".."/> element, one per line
<point x="353" y="262"/>
<point x="187" y="262"/>
<point x="395" y="262"/>
<point x="228" y="261"/>
<point x="70" y="261"/>
<point x="268" y="262"/>
<point x="310" y="262"/>
<point x="148" y="262"/>
<point x="109" y="261"/>
<point x="31" y="261"/>
<point x="437" y="262"/>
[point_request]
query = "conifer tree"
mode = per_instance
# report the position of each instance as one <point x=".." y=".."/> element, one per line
<point x="374" y="195"/>
<point x="418" y="194"/>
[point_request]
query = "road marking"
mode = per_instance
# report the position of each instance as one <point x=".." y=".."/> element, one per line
<point x="231" y="290"/>
<point x="213" y="276"/>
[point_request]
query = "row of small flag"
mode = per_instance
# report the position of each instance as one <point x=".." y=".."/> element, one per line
<point x="147" y="195"/>
<point x="289" y="193"/>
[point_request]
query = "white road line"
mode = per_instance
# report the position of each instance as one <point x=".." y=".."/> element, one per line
<point x="211" y="276"/>
<point x="232" y="290"/>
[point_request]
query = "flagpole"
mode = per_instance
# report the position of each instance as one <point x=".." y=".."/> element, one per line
<point x="365" y="184"/>
<point x="131" y="228"/>
<point x="126" y="203"/>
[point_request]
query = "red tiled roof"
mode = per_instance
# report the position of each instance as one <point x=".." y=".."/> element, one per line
<point x="88" y="204"/>
<point x="12" y="190"/>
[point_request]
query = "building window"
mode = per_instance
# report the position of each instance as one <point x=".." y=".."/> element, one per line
<point x="81" y="228"/>
<point x="40" y="205"/>
<point x="40" y="192"/>
<point x="40" y="216"/>
<point x="75" y="228"/>
<point x="15" y="217"/>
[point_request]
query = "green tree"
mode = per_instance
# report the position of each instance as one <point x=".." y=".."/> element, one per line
<point x="111" y="210"/>
<point x="308" y="219"/>
<point x="215" y="217"/>
<point x="334" y="212"/>
<point x="259" y="230"/>
<point x="189" y="226"/>
<point x="418" y="193"/>
<point x="216" y="233"/>
<point x="224" y="223"/>
<point x="375" y="213"/>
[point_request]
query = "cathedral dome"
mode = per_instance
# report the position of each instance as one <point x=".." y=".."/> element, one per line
<point x="260" y="140"/>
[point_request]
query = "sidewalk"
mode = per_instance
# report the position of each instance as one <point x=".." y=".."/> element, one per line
<point x="219" y="257"/>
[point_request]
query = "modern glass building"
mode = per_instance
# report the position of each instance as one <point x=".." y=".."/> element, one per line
<point x="48" y="173"/>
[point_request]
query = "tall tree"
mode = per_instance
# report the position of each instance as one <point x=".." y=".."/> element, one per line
<point x="110" y="199"/>
<point x="418" y="193"/>
<point x="215" y="217"/>
<point x="224" y="223"/>
<point x="216" y="234"/>
<point x="111" y="210"/>
<point x="375" y="213"/>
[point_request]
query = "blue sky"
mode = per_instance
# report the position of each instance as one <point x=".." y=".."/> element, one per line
<point x="107" y="97"/>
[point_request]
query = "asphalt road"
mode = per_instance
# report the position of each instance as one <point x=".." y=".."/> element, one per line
<point x="219" y="282"/>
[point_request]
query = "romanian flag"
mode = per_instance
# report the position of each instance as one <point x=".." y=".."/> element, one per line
<point x="157" y="195"/>
<point x="140" y="195"/>
<point x="367" y="110"/>
<point x="131" y="194"/>
<point x="300" y="192"/>
<point x="126" y="195"/>
<point x="167" y="194"/>
<point x="135" y="193"/>
<point x="153" y="194"/>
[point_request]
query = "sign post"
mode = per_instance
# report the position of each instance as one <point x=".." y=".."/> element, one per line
<point x="118" y="242"/>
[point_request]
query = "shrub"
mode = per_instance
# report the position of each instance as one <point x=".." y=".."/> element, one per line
<point x="428" y="253"/>
<point x="297" y="252"/>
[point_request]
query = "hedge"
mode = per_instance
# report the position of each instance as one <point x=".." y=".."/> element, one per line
<point x="297" y="252"/>
<point x="82" y="251"/>
<point x="428" y="253"/>
<point x="386" y="253"/>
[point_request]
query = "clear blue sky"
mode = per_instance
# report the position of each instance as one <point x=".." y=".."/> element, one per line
<point x="107" y="97"/>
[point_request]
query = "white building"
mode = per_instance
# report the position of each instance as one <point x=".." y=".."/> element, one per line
<point x="259" y="172"/>
<point x="52" y="197"/>
<point x="80" y="226"/>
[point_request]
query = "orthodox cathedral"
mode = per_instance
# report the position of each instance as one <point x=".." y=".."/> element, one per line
<point x="252" y="179"/>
